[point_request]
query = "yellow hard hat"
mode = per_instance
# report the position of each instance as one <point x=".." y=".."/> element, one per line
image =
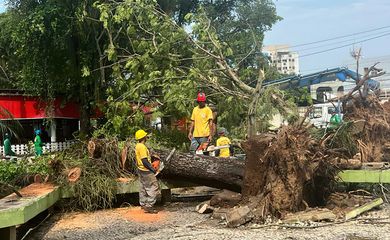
<point x="140" y="134"/>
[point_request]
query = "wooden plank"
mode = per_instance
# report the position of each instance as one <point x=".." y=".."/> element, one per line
<point x="365" y="176"/>
<point x="366" y="207"/>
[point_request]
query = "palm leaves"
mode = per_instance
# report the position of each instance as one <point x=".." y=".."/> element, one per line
<point x="8" y="125"/>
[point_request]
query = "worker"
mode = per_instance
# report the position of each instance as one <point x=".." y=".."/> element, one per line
<point x="38" y="143"/>
<point x="201" y="128"/>
<point x="149" y="189"/>
<point x="335" y="120"/>
<point x="7" y="146"/>
<point x="223" y="141"/>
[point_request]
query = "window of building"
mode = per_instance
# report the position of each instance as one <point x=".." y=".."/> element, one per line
<point x="323" y="93"/>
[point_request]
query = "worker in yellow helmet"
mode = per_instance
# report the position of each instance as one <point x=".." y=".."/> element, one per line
<point x="223" y="141"/>
<point x="149" y="189"/>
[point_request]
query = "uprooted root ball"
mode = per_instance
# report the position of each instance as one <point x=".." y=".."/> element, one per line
<point x="278" y="169"/>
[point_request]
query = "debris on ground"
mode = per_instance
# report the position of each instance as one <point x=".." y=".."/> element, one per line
<point x="314" y="215"/>
<point x="204" y="208"/>
<point x="366" y="207"/>
<point x="225" y="198"/>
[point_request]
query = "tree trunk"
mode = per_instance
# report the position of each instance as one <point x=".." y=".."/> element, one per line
<point x="211" y="171"/>
<point x="85" y="124"/>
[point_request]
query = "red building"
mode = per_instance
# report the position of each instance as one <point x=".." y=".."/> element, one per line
<point x="57" y="120"/>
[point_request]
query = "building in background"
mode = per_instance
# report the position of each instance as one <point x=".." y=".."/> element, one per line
<point x="57" y="123"/>
<point x="286" y="61"/>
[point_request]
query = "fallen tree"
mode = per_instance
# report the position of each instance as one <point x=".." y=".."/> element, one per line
<point x="211" y="171"/>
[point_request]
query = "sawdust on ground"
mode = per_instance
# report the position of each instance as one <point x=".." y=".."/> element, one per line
<point x="98" y="219"/>
<point x="136" y="214"/>
<point x="87" y="221"/>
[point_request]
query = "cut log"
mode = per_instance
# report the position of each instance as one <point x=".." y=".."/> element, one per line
<point x="206" y="170"/>
<point x="315" y="215"/>
<point x="239" y="216"/>
<point x="352" y="163"/>
<point x="366" y="207"/>
<point x="225" y="199"/>
<point x="74" y="174"/>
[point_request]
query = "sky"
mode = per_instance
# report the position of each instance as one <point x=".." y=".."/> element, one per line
<point x="2" y="7"/>
<point x="306" y="21"/>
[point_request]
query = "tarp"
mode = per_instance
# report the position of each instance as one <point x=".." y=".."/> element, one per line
<point x="25" y="107"/>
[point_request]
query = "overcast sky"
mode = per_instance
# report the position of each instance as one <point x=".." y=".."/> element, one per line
<point x="306" y="21"/>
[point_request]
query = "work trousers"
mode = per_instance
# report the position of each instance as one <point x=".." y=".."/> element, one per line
<point x="196" y="142"/>
<point x="149" y="190"/>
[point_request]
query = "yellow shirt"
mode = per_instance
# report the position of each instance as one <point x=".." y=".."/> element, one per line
<point x="141" y="151"/>
<point x="224" y="152"/>
<point x="201" y="117"/>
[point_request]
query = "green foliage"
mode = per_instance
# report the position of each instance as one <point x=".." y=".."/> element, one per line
<point x="343" y="139"/>
<point x="12" y="172"/>
<point x="151" y="50"/>
<point x="300" y="96"/>
<point x="170" y="139"/>
<point x="96" y="187"/>
<point x="271" y="103"/>
<point x="237" y="30"/>
<point x="94" y="190"/>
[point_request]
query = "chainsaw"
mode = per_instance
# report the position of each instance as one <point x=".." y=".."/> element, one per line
<point x="158" y="164"/>
<point x="205" y="148"/>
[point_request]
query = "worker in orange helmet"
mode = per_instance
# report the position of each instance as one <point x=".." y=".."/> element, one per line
<point x="149" y="189"/>
<point x="201" y="128"/>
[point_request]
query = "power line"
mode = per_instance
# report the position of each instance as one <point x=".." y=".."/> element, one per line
<point x="334" y="38"/>
<point x="346" y="45"/>
<point x="338" y="42"/>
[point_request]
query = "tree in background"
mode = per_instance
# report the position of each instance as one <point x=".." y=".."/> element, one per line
<point x="49" y="47"/>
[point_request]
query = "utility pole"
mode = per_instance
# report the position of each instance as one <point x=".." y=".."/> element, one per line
<point x="356" y="54"/>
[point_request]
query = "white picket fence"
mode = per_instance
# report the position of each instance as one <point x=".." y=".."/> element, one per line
<point x="22" y="149"/>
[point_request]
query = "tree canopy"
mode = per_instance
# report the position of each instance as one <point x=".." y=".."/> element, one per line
<point x="124" y="54"/>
